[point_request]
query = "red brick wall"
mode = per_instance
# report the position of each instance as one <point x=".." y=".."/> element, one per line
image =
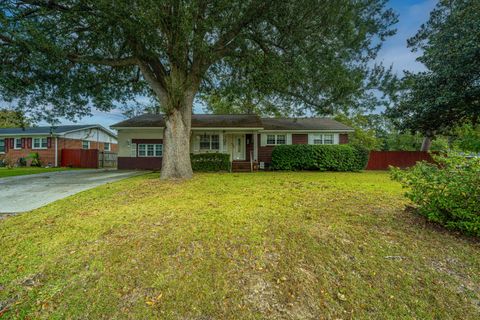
<point x="47" y="156"/>
<point x="343" y="138"/>
<point x="300" y="138"/>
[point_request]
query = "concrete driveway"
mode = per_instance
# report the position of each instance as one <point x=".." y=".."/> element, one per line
<point x="24" y="193"/>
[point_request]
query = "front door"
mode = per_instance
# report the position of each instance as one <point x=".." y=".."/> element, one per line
<point x="238" y="146"/>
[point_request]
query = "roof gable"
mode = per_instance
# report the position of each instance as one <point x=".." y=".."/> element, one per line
<point x="51" y="130"/>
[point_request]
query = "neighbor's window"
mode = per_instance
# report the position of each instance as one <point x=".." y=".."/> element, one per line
<point x="275" y="139"/>
<point x="150" y="150"/>
<point x="2" y="146"/>
<point x="209" y="142"/>
<point x="18" y="143"/>
<point x="106" y="146"/>
<point x="40" y="143"/>
<point x="85" y="144"/>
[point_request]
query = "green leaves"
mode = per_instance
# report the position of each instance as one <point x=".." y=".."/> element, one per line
<point x="447" y="193"/>
<point x="210" y="162"/>
<point x="319" y="157"/>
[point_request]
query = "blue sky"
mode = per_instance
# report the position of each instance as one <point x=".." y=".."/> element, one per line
<point x="412" y="13"/>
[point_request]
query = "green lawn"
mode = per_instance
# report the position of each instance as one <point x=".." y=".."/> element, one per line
<point x="237" y="246"/>
<point x="5" y="172"/>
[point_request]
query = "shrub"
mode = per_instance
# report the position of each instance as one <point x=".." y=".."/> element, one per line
<point x="35" y="159"/>
<point x="319" y="157"/>
<point x="447" y="192"/>
<point x="210" y="162"/>
<point x="22" y="162"/>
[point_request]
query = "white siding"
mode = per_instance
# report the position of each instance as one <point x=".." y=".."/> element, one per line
<point x="93" y="134"/>
<point x="125" y="146"/>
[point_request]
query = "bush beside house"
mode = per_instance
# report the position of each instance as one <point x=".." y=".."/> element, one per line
<point x="447" y="192"/>
<point x="319" y="157"/>
<point x="210" y="162"/>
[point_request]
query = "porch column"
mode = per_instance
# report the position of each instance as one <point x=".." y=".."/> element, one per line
<point x="220" y="137"/>
<point x="255" y="146"/>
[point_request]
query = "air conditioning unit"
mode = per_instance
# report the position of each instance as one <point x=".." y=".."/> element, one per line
<point x="262" y="165"/>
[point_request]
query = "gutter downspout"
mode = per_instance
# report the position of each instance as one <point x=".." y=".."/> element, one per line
<point x="56" y="151"/>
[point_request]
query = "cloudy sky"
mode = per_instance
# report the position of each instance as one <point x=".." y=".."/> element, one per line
<point x="412" y="13"/>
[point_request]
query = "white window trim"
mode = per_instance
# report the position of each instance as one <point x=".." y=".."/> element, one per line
<point x="314" y="136"/>
<point x="15" y="144"/>
<point x="276" y="139"/>
<point x="155" y="146"/>
<point x="210" y="142"/>
<point x="86" y="142"/>
<point x="40" y="139"/>
<point x="3" y="152"/>
<point x="109" y="146"/>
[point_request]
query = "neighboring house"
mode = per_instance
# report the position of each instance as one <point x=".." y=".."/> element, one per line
<point x="243" y="137"/>
<point x="49" y="141"/>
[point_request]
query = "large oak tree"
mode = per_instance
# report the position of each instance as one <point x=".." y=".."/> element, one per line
<point x="64" y="56"/>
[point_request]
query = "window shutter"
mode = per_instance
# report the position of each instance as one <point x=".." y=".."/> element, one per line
<point x="336" y="138"/>
<point x="196" y="143"/>
<point x="29" y="143"/>
<point x="49" y="142"/>
<point x="289" y="138"/>
<point x="12" y="143"/>
<point x="23" y="143"/>
<point x="5" y="141"/>
<point x="263" y="140"/>
<point x="133" y="150"/>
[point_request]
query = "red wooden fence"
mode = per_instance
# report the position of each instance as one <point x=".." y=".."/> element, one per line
<point x="80" y="158"/>
<point x="380" y="160"/>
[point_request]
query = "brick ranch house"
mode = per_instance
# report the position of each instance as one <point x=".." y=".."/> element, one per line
<point x="245" y="138"/>
<point x="49" y="141"/>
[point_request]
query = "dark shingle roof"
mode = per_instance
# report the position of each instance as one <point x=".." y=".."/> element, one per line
<point x="303" y="124"/>
<point x="239" y="121"/>
<point x="198" y="121"/>
<point x="46" y="129"/>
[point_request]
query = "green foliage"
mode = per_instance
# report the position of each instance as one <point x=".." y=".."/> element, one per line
<point x="210" y="162"/>
<point x="365" y="133"/>
<point x="34" y="159"/>
<point x="75" y="55"/>
<point x="319" y="157"/>
<point x="13" y="119"/>
<point x="448" y="93"/>
<point x="447" y="192"/>
<point x="467" y="138"/>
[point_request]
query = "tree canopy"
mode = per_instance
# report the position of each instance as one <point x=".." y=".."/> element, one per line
<point x="62" y="57"/>
<point x="448" y="93"/>
<point x="13" y="119"/>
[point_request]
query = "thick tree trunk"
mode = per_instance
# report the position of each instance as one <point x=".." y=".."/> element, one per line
<point x="176" y="144"/>
<point x="426" y="144"/>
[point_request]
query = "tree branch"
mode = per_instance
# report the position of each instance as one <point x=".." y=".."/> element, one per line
<point x="121" y="62"/>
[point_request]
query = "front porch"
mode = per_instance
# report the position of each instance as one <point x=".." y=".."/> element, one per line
<point x="241" y="146"/>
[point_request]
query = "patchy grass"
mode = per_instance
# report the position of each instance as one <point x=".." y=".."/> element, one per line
<point x="20" y="171"/>
<point x="236" y="246"/>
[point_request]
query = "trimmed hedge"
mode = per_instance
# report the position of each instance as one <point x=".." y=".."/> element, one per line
<point x="319" y="157"/>
<point x="210" y="162"/>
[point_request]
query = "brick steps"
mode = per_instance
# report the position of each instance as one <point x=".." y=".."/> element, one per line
<point x="243" y="166"/>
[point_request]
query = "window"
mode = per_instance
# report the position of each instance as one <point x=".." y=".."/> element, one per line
<point x="150" y="150"/>
<point x="323" y="138"/>
<point x="271" y="139"/>
<point x="85" y="144"/>
<point x="18" y="143"/>
<point x="2" y="146"/>
<point x="209" y="142"/>
<point x="106" y="146"/>
<point x="40" y="143"/>
<point x="328" y="139"/>
<point x="274" y="139"/>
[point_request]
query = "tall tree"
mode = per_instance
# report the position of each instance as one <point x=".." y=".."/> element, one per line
<point x="448" y="93"/>
<point x="13" y="119"/>
<point x="67" y="55"/>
